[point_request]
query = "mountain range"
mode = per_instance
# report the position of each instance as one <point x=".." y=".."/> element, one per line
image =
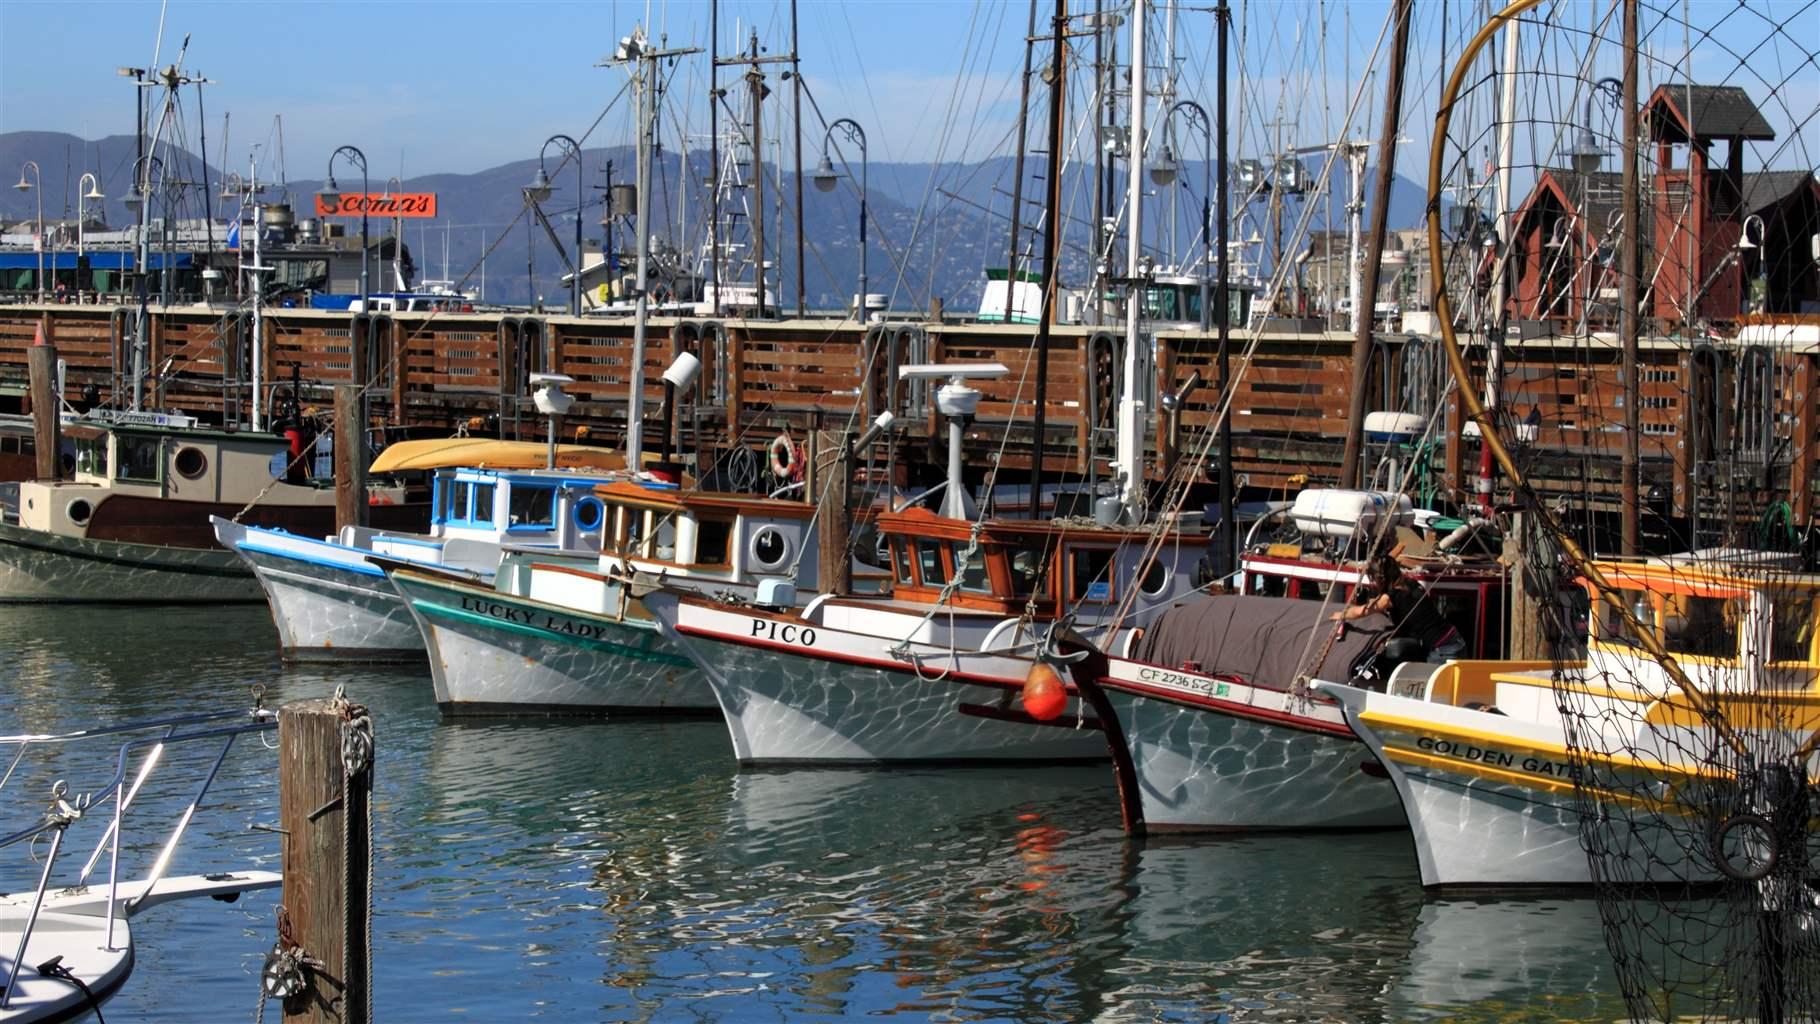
<point x="934" y="228"/>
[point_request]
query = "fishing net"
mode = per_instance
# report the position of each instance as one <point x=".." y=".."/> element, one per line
<point x="1684" y="677"/>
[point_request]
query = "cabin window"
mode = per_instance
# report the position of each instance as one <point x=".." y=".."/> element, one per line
<point x="633" y="531"/>
<point x="461" y="493"/>
<point x="713" y="542"/>
<point x="1309" y="590"/>
<point x="1612" y="627"/>
<point x="139" y="458"/>
<point x="1793" y="625"/>
<point x="91" y="455"/>
<point x="929" y="560"/>
<point x="1705" y="627"/>
<point x="483" y="503"/>
<point x="1265" y="585"/>
<point x="531" y="508"/>
<point x="1090" y="574"/>
<point x="900" y="555"/>
<point x="1027" y="571"/>
<point x="971" y="569"/>
<point x="664" y="537"/>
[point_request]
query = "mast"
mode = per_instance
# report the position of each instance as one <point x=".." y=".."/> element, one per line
<point x="1628" y="326"/>
<point x="1017" y="191"/>
<point x="1229" y="527"/>
<point x="1098" y="240"/>
<point x="1380" y="216"/>
<point x="1494" y="323"/>
<point x="796" y="80"/>
<point x="1130" y="469"/>
<point x="1052" y="206"/>
<point x="714" y="156"/>
<point x="756" y="81"/>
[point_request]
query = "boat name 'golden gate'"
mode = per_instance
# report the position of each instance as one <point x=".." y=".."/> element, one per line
<point x="1495" y="758"/>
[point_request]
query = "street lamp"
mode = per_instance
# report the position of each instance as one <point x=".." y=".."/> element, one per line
<point x="92" y="192"/>
<point x="1586" y="155"/>
<point x="824" y="182"/>
<point x="331" y="195"/>
<point x="540" y="191"/>
<point x="1164" y="172"/>
<point x="38" y="241"/>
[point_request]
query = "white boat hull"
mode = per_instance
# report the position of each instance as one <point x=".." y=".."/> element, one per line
<point x="494" y="653"/>
<point x="793" y="694"/>
<point x="1220" y="755"/>
<point x="40" y="567"/>
<point x="331" y="612"/>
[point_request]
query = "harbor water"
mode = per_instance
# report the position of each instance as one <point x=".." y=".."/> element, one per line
<point x="593" y="870"/>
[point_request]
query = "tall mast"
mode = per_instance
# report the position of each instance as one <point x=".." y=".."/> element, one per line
<point x="1130" y="469"/>
<point x="1017" y="180"/>
<point x="1374" y="253"/>
<point x="1052" y="207"/>
<point x="714" y="157"/>
<point x="796" y="80"/>
<point x="756" y="80"/>
<point x="1628" y="326"/>
<point x="1229" y="527"/>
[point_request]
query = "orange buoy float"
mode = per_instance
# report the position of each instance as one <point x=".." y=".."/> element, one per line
<point x="1044" y="695"/>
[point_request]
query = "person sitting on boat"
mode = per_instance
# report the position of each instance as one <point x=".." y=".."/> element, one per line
<point x="1412" y="612"/>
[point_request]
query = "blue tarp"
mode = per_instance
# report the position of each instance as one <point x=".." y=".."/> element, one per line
<point x="96" y="261"/>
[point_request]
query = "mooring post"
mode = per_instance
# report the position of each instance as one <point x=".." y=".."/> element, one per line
<point x="325" y="789"/>
<point x="47" y="429"/>
<point x="834" y="510"/>
<point x="350" y="459"/>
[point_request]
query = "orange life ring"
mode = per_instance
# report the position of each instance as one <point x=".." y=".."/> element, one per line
<point x="786" y="458"/>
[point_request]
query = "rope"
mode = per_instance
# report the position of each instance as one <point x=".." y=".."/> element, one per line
<point x="53" y="968"/>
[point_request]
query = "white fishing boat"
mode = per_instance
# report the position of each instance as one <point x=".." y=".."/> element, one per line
<point x="560" y="635"/>
<point x="1497" y="787"/>
<point x="330" y="602"/>
<point x="67" y="944"/>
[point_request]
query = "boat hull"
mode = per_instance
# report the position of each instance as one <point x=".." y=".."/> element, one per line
<point x="494" y="654"/>
<point x="328" y="602"/>
<point x="40" y="567"/>
<point x="796" y="695"/>
<point x="1220" y="755"/>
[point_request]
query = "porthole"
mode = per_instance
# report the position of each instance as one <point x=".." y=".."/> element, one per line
<point x="769" y="548"/>
<point x="190" y="463"/>
<point x="588" y="514"/>
<point x="79" y="511"/>
<point x="1156" y="580"/>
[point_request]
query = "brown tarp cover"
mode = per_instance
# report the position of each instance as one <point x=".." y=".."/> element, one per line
<point x="1259" y="639"/>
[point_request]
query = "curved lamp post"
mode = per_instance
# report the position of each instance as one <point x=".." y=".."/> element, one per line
<point x="1587" y="156"/>
<point x="27" y="186"/>
<point x="1164" y="172"/>
<point x="539" y="191"/>
<point x="93" y="191"/>
<point x="824" y="182"/>
<point x="331" y="194"/>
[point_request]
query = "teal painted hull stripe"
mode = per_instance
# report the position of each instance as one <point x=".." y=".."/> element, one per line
<point x="435" y="610"/>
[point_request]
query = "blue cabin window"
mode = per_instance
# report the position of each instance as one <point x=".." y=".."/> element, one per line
<point x="461" y="498"/>
<point x="532" y="508"/>
<point x="482" y="512"/>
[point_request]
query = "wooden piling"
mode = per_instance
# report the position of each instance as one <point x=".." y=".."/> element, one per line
<point x="47" y="429"/>
<point x="834" y="511"/>
<point x="350" y="459"/>
<point x="1528" y="636"/>
<point x="327" y="862"/>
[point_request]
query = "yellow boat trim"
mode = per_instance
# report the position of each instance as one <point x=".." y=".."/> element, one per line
<point x="1525" y="780"/>
<point x="1385" y="723"/>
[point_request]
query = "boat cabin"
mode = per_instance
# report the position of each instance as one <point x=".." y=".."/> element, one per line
<point x="703" y="534"/>
<point x="1051" y="566"/>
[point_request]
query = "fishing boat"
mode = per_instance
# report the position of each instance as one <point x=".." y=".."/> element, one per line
<point x="67" y="944"/>
<point x="331" y="603"/>
<point x="1211" y="721"/>
<point x="133" y="523"/>
<point x="1481" y="755"/>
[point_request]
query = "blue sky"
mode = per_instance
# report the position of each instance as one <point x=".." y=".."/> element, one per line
<point x="461" y="86"/>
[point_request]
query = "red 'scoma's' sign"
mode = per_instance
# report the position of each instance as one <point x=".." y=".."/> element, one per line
<point x="397" y="204"/>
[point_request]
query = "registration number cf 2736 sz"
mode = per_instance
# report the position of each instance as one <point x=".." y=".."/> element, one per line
<point x="783" y="632"/>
